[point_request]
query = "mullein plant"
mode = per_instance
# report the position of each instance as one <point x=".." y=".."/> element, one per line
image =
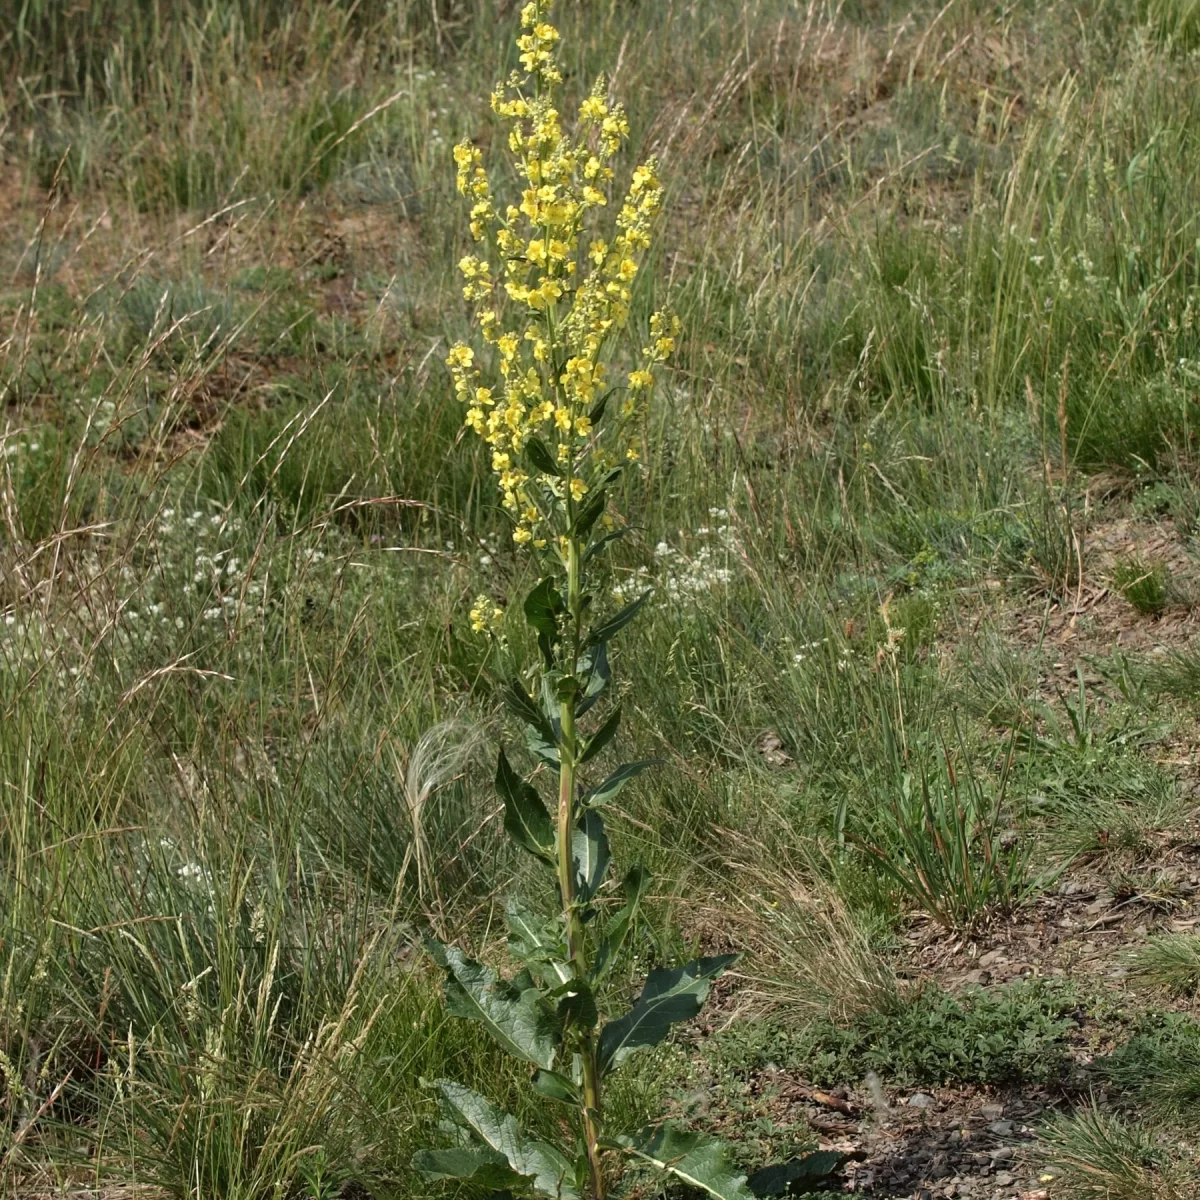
<point x="551" y="280"/>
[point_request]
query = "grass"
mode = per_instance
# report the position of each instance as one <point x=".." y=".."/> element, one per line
<point x="938" y="282"/>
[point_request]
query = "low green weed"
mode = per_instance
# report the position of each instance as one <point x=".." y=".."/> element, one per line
<point x="999" y="1036"/>
<point x="1146" y="585"/>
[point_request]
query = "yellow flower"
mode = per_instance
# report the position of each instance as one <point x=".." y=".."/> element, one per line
<point x="485" y="615"/>
<point x="578" y="489"/>
<point x="461" y="355"/>
<point x="640" y="380"/>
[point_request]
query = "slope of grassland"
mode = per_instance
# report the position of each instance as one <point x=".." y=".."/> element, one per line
<point x="920" y="507"/>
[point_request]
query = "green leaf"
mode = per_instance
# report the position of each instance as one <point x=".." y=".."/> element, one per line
<point x="540" y="733"/>
<point x="540" y="457"/>
<point x="537" y="942"/>
<point x="526" y="820"/>
<point x="479" y="1164"/>
<point x="543" y="606"/>
<point x="618" y="621"/>
<point x="577" y="1004"/>
<point x="606" y="791"/>
<point x="519" y="1019"/>
<point x="594" y="671"/>
<point x="589" y="514"/>
<point x="602" y="736"/>
<point x="551" y="1172"/>
<point x="669" y="996"/>
<point x="601" y="542"/>
<point x="555" y="1087"/>
<point x="523" y="706"/>
<point x="597" y="413"/>
<point x="634" y="885"/>
<point x="698" y="1160"/>
<point x="590" y="855"/>
<point x="804" y="1174"/>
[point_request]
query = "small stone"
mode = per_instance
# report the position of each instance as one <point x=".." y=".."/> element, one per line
<point x="921" y="1100"/>
<point x="1001" y="1128"/>
<point x="1002" y="1154"/>
<point x="992" y="1112"/>
<point x="1004" y="1179"/>
<point x="986" y="960"/>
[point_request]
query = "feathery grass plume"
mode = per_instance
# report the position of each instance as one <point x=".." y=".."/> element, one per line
<point x="441" y="753"/>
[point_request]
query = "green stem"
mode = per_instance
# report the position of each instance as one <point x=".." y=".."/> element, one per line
<point x="567" y="818"/>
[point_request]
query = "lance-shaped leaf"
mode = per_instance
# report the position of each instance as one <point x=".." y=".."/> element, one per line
<point x="556" y="1087"/>
<point x="543" y="606"/>
<point x="590" y="854"/>
<point x="668" y="997"/>
<point x="602" y="542"/>
<point x="541" y="734"/>
<point x="606" y="791"/>
<point x="698" y="1160"/>
<point x="602" y="736"/>
<point x="589" y="513"/>
<point x="518" y="1018"/>
<point x="480" y="1165"/>
<point x="598" y="408"/>
<point x="538" y="943"/>
<point x="594" y="672"/>
<point x="540" y="457"/>
<point x="550" y="1171"/>
<point x="808" y="1173"/>
<point x="634" y="885"/>
<point x="526" y="820"/>
<point x="617" y="622"/>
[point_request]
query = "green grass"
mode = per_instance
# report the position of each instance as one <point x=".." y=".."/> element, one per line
<point x="940" y="293"/>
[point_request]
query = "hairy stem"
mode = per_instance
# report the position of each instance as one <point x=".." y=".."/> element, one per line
<point x="567" y="818"/>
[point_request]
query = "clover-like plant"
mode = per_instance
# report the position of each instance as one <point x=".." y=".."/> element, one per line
<point x="552" y="280"/>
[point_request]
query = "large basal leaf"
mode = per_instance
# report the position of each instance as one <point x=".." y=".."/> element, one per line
<point x="807" y="1173"/>
<point x="526" y="820"/>
<point x="607" y="790"/>
<point x="518" y="1018"/>
<point x="479" y="1164"/>
<point x="551" y="1172"/>
<point x="669" y="996"/>
<point x="698" y="1160"/>
<point x="590" y="855"/>
<point x="537" y="942"/>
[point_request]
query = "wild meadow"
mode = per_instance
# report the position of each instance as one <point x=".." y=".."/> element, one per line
<point x="914" y="507"/>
